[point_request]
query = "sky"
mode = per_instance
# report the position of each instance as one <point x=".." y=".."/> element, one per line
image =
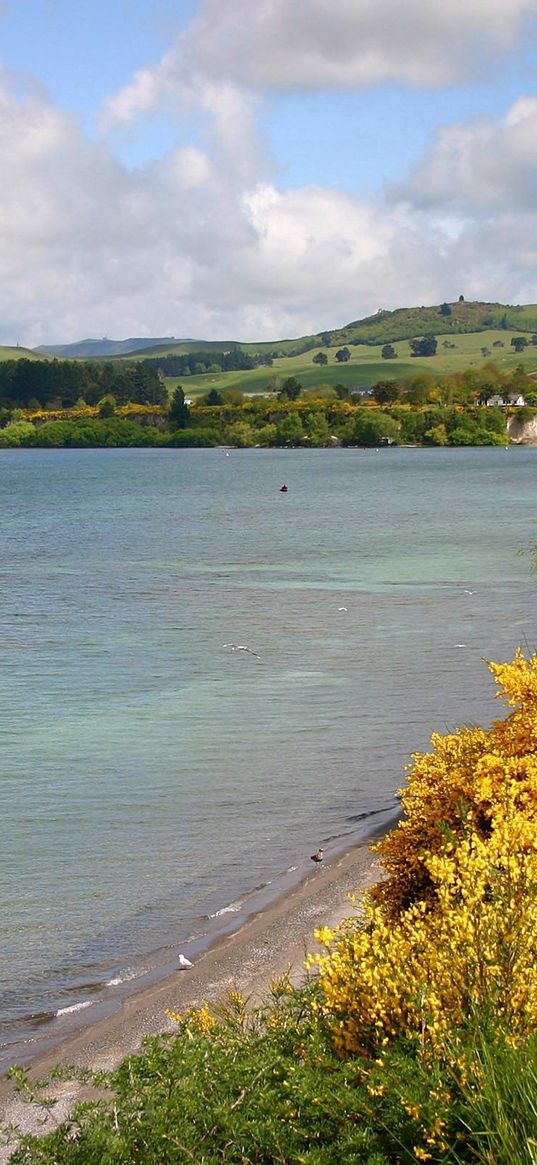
<point x="259" y="169"/>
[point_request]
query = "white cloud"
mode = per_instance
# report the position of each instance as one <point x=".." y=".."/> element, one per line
<point x="482" y="166"/>
<point x="200" y="244"/>
<point x="297" y="44"/>
<point x="278" y="43"/>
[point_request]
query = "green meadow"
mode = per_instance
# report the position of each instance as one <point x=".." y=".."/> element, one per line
<point x="467" y="333"/>
<point x="366" y="365"/>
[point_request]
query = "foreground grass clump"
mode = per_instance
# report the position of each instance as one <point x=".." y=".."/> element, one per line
<point x="415" y="1039"/>
<point x="230" y="1087"/>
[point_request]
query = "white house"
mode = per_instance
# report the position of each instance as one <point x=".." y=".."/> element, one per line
<point x="508" y="398"/>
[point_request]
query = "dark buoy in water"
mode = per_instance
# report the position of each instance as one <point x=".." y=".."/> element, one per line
<point x="283" y="489"/>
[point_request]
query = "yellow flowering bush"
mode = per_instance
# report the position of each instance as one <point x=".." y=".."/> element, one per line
<point x="452" y="931"/>
<point x="470" y="771"/>
<point x="427" y="971"/>
<point x="196" y="1019"/>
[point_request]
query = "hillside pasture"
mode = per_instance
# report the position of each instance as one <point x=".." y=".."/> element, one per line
<point x="14" y="353"/>
<point x="366" y="365"/>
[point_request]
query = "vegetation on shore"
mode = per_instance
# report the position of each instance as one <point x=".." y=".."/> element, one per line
<point x="457" y="409"/>
<point x="414" y="1037"/>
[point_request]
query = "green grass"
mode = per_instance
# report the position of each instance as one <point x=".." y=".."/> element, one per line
<point x="366" y="365"/>
<point x="11" y="353"/>
<point x="266" y="1088"/>
<point x="383" y="327"/>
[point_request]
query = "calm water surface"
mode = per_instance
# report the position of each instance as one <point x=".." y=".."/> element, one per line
<point x="155" y="785"/>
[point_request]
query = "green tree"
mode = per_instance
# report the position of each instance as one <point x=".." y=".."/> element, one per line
<point x="291" y="388"/>
<point x="388" y="352"/>
<point x="240" y="434"/>
<point x="267" y="435"/>
<point x="107" y="406"/>
<point x="418" y="387"/>
<point x="290" y="431"/>
<point x="425" y="347"/>
<point x="179" y="413"/>
<point x="373" y="427"/>
<point x="17" y="433"/>
<point x="342" y="355"/>
<point x="445" y="310"/>
<point x="320" y="358"/>
<point x="213" y="398"/>
<point x="386" y="391"/>
<point x="519" y="343"/>
<point x="316" y="428"/>
<point x="436" y="436"/>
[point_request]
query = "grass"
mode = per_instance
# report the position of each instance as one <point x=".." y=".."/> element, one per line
<point x="367" y="366"/>
<point x="12" y="353"/>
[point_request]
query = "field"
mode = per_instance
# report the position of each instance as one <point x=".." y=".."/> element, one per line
<point x="13" y="353"/>
<point x="366" y="365"/>
<point x="468" y="334"/>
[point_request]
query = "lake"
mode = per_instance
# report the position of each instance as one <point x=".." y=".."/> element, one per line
<point x="156" y="786"/>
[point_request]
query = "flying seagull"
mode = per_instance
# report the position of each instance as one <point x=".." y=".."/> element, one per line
<point x="318" y="857"/>
<point x="184" y="963"/>
<point x="242" y="647"/>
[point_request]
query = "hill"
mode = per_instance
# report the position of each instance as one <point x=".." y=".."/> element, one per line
<point x="101" y="349"/>
<point x="381" y="328"/>
<point x="9" y="352"/>
<point x="384" y="327"/>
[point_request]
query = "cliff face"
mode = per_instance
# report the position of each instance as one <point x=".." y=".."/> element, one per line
<point x="522" y="433"/>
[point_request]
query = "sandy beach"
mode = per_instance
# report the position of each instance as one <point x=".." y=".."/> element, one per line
<point x="271" y="943"/>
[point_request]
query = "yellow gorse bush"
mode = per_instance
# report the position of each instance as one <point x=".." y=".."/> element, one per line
<point x="430" y="969"/>
<point x="468" y="771"/>
<point x="454" y="929"/>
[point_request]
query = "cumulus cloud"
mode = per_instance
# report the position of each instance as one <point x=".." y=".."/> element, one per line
<point x="275" y="44"/>
<point x="200" y="243"/>
<point x="481" y="166"/>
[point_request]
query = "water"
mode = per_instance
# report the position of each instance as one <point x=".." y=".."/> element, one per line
<point x="155" y="785"/>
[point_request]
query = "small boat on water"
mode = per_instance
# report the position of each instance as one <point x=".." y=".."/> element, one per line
<point x="283" y="489"/>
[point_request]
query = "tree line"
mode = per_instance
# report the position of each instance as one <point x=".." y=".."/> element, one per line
<point x="34" y="384"/>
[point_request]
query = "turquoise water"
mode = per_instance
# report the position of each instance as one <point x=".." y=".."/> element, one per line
<point x="152" y="780"/>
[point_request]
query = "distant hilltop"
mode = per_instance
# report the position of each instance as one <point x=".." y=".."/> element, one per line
<point x="85" y="349"/>
<point x="457" y="316"/>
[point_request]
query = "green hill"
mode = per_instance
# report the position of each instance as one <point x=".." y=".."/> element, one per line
<point x="11" y="353"/>
<point x="384" y="327"/>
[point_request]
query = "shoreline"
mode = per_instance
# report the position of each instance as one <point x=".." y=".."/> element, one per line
<point x="270" y="943"/>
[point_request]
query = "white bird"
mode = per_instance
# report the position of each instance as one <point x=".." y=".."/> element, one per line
<point x="242" y="647"/>
<point x="318" y="857"/>
<point x="184" y="962"/>
<point x="466" y="592"/>
<point x="343" y="608"/>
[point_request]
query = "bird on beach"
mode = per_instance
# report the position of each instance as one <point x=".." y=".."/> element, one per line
<point x="242" y="647"/>
<point x="184" y="963"/>
<point x="318" y="857"/>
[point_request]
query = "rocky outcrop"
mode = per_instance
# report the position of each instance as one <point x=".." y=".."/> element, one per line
<point x="522" y="432"/>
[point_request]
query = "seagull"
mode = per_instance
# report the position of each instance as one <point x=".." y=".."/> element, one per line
<point x="343" y="608"/>
<point x="242" y="647"/>
<point x="318" y="857"/>
<point x="184" y="963"/>
<point x="466" y="592"/>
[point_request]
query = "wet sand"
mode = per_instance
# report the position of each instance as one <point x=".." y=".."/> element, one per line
<point x="271" y="943"/>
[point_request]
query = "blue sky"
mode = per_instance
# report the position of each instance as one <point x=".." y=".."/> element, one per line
<point x="217" y="167"/>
